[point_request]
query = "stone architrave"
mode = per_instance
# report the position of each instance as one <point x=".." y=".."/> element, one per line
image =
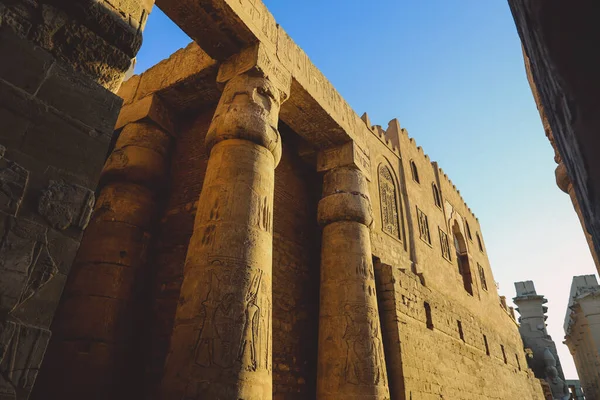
<point x="351" y="361"/>
<point x="221" y="345"/>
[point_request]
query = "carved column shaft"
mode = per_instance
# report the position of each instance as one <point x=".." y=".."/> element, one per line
<point x="91" y="355"/>
<point x="221" y="342"/>
<point x="351" y="361"/>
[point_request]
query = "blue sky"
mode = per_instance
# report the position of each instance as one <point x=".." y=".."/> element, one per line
<point x="452" y="72"/>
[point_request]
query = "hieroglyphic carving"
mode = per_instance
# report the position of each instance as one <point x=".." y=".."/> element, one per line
<point x="209" y="229"/>
<point x="13" y="182"/>
<point x="22" y="268"/>
<point x="389" y="202"/>
<point x="363" y="343"/>
<point x="265" y="215"/>
<point x="258" y="18"/>
<point x="235" y="327"/>
<point x="21" y="352"/>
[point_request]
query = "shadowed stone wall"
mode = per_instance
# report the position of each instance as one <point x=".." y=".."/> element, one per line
<point x="565" y="74"/>
<point x="61" y="63"/>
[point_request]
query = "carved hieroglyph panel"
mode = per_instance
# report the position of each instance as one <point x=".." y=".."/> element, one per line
<point x="22" y="349"/>
<point x="221" y="343"/>
<point x="389" y="202"/>
<point x="25" y="263"/>
<point x="363" y="341"/>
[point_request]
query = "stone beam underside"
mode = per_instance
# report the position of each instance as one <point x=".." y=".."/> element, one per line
<point x="223" y="28"/>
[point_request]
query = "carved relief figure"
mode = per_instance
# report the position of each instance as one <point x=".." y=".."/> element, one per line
<point x="232" y="325"/>
<point x="389" y="202"/>
<point x="363" y="345"/>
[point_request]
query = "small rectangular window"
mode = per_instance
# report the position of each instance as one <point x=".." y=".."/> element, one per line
<point x="482" y="277"/>
<point x="518" y="362"/>
<point x="504" y="354"/>
<point x="428" y="315"/>
<point x="423" y="226"/>
<point x="445" y="244"/>
<point x="487" y="347"/>
<point x="460" y="331"/>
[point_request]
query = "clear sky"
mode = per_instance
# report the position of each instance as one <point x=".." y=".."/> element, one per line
<point x="452" y="72"/>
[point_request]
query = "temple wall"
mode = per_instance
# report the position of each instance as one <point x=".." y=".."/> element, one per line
<point x="428" y="363"/>
<point x="432" y="361"/>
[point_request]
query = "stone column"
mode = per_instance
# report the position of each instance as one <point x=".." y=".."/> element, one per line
<point x="221" y="341"/>
<point x="351" y="363"/>
<point x="92" y="354"/>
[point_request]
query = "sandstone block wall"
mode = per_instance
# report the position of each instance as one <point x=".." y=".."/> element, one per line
<point x="431" y="357"/>
<point x="56" y="129"/>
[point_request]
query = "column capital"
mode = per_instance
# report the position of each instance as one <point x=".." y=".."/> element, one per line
<point x="349" y="154"/>
<point x="345" y="197"/>
<point x="150" y="108"/>
<point x="258" y="60"/>
<point x="248" y="110"/>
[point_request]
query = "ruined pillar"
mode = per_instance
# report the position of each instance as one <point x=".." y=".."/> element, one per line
<point x="351" y="363"/>
<point x="221" y="343"/>
<point x="92" y="354"/>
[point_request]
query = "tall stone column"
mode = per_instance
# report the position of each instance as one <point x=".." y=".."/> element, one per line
<point x="92" y="354"/>
<point x="351" y="363"/>
<point x="221" y="343"/>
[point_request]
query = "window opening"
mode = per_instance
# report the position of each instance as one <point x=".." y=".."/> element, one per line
<point x="487" y="347"/>
<point x="428" y="315"/>
<point x="415" y="172"/>
<point x="437" y="198"/>
<point x="423" y="226"/>
<point x="462" y="258"/>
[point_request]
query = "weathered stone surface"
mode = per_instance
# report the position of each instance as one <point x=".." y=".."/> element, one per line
<point x="65" y="205"/>
<point x="151" y="108"/>
<point x="230" y="256"/>
<point x="13" y="183"/>
<point x="69" y="93"/>
<point x="351" y="357"/>
<point x="565" y="75"/>
<point x="33" y="62"/>
<point x="21" y="352"/>
<point x="24" y="261"/>
<point x="582" y="331"/>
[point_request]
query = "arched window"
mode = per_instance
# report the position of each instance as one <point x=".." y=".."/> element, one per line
<point x="389" y="202"/>
<point x="437" y="198"/>
<point x="479" y="242"/>
<point x="415" y="172"/>
<point x="462" y="258"/>
<point x="468" y="230"/>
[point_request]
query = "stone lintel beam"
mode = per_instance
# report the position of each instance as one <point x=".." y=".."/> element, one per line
<point x="185" y="81"/>
<point x="150" y="108"/>
<point x="347" y="155"/>
<point x="223" y="28"/>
